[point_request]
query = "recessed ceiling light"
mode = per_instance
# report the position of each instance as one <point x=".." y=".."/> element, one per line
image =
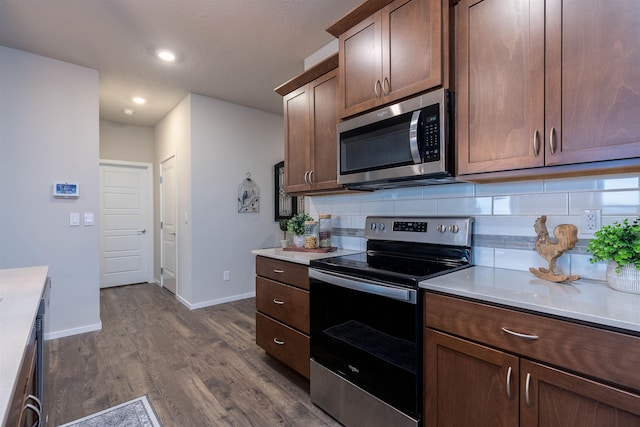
<point x="139" y="100"/>
<point x="128" y="111"/>
<point x="166" y="55"/>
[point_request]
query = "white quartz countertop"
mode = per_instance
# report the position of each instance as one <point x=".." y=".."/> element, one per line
<point x="300" y="257"/>
<point x="585" y="300"/>
<point x="20" y="290"/>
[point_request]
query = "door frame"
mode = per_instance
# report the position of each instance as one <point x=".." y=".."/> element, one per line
<point x="148" y="184"/>
<point x="160" y="213"/>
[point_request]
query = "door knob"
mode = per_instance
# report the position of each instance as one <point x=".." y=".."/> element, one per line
<point x="144" y="230"/>
<point x="172" y="233"/>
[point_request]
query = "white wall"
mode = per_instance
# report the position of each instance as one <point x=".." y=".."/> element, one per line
<point x="130" y="143"/>
<point x="229" y="140"/>
<point x="216" y="144"/>
<point x="48" y="132"/>
<point x="173" y="137"/>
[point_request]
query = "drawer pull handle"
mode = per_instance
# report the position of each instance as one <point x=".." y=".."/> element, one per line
<point x="552" y="140"/>
<point x="277" y="341"/>
<point x="509" y="383"/>
<point x="278" y="271"/>
<point x="519" y="335"/>
<point x="527" y="389"/>
<point x="277" y="301"/>
<point x="536" y="147"/>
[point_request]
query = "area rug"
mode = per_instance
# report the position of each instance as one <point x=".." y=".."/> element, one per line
<point x="134" y="413"/>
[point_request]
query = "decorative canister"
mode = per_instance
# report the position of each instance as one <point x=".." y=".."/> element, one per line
<point x="311" y="234"/>
<point x="628" y="280"/>
<point x="324" y="230"/>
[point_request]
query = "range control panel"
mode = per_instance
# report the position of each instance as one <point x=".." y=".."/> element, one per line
<point x="455" y="231"/>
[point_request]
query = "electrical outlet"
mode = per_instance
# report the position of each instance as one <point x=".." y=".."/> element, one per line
<point x="590" y="221"/>
<point x="225" y="275"/>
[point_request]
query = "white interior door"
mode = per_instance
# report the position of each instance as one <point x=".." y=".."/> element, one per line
<point x="126" y="238"/>
<point x="168" y="229"/>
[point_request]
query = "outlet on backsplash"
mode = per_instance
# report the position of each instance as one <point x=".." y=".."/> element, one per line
<point x="590" y="221"/>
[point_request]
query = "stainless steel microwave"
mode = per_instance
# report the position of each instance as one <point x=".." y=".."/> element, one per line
<point x="409" y="143"/>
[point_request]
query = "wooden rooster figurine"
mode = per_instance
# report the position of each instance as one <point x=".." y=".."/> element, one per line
<point x="566" y="235"/>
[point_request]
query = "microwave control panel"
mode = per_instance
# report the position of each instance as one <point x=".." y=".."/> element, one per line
<point x="430" y="126"/>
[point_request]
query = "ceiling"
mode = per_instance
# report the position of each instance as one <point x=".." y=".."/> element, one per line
<point x="233" y="50"/>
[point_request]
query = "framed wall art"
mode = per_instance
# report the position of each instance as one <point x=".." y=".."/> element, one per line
<point x="285" y="206"/>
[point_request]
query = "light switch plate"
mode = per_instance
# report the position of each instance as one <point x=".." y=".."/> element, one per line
<point x="88" y="218"/>
<point x="74" y="219"/>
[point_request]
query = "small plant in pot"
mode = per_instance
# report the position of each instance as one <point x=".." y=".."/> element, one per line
<point x="619" y="244"/>
<point x="283" y="224"/>
<point x="296" y="228"/>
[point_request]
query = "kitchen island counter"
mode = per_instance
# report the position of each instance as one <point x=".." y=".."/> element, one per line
<point x="20" y="290"/>
<point x="583" y="300"/>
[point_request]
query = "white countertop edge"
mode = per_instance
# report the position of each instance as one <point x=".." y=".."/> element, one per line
<point x="300" y="257"/>
<point x="21" y="289"/>
<point x="594" y="292"/>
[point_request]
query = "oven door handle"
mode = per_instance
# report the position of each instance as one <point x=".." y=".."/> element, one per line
<point x="367" y="286"/>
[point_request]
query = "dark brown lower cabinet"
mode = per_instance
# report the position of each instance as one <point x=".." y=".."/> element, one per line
<point x="471" y="383"/>
<point x="282" y="312"/>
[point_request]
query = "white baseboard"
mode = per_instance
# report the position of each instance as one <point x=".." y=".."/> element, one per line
<point x="73" y="331"/>
<point x="215" y="301"/>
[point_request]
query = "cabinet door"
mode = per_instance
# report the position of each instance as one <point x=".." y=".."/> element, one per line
<point x="361" y="67"/>
<point x="467" y="384"/>
<point x="296" y="136"/>
<point x="592" y="80"/>
<point x="412" y="40"/>
<point x="324" y="142"/>
<point x="550" y="398"/>
<point x="500" y="84"/>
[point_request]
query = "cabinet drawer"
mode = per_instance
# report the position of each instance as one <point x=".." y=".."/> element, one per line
<point x="280" y="341"/>
<point x="284" y="303"/>
<point x="283" y="271"/>
<point x="595" y="352"/>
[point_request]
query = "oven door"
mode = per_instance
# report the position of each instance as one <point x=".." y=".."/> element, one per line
<point x="369" y="333"/>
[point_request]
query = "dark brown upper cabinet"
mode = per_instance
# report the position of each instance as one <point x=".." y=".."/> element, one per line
<point x="390" y="50"/>
<point x="547" y="88"/>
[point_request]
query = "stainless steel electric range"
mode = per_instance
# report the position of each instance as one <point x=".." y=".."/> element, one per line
<point x="366" y="318"/>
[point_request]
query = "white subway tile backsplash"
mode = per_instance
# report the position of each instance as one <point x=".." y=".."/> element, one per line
<point x="358" y="221"/>
<point x="461" y="189"/>
<point x="482" y="256"/>
<point x="505" y="225"/>
<point x="415" y="207"/>
<point x="613" y="182"/>
<point x="465" y="206"/>
<point x="505" y="188"/>
<point x="411" y="193"/>
<point x="530" y="204"/>
<point x="581" y="266"/>
<point x="341" y="221"/>
<point x="501" y="209"/>
<point x="619" y="203"/>
<point x="376" y="208"/>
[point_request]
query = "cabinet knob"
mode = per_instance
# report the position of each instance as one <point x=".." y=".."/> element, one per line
<point x="375" y="88"/>
<point x="310" y="177"/>
<point x="527" y="390"/>
<point x="509" y="382"/>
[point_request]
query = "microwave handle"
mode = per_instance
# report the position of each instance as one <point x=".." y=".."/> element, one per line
<point x="413" y="138"/>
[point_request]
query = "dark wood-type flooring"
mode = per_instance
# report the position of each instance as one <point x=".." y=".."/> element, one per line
<point x="197" y="368"/>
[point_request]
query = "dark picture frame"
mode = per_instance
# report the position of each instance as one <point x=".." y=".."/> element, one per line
<point x="285" y="206"/>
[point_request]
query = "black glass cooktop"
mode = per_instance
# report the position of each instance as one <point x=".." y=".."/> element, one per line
<point x="403" y="269"/>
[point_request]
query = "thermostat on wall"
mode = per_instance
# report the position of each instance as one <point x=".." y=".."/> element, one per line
<point x="66" y="189"/>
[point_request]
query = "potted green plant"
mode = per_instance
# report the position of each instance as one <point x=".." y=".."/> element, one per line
<point x="619" y="245"/>
<point x="296" y="228"/>
<point x="283" y="227"/>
